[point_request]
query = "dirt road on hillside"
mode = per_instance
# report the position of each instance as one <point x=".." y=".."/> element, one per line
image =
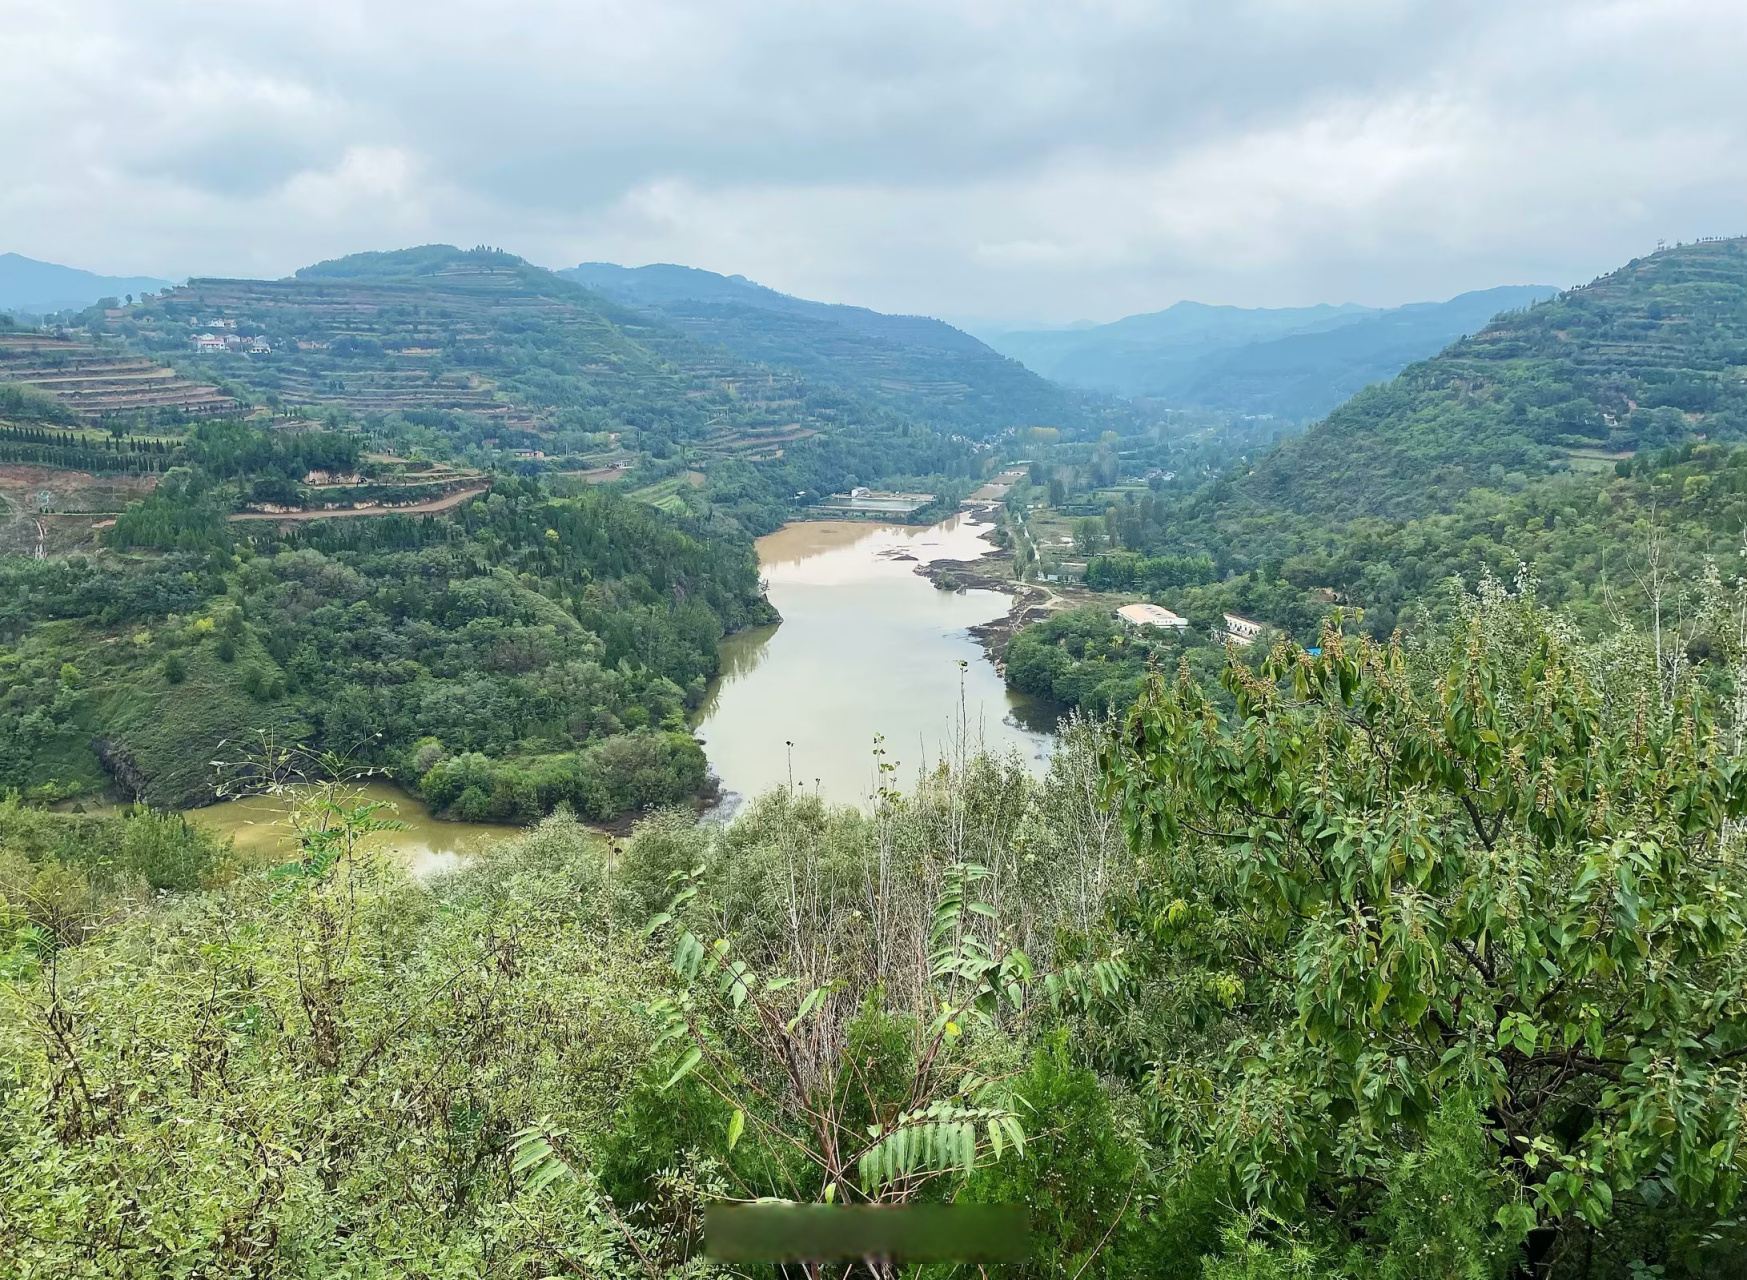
<point x="445" y="503"/>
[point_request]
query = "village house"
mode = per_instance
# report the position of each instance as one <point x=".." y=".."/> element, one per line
<point x="207" y="342"/>
<point x="1241" y="630"/>
<point x="260" y="347"/>
<point x="1151" y="615"/>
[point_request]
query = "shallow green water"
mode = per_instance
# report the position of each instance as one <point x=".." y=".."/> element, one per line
<point x="867" y="647"/>
<point x="427" y="845"/>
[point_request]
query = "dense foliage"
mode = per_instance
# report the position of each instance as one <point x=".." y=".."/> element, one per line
<point x="530" y="650"/>
<point x="1409" y="963"/>
<point x="1086" y="659"/>
<point x="1499" y="872"/>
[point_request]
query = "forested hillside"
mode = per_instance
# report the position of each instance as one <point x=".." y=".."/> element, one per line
<point x="918" y="366"/>
<point x="479" y="358"/>
<point x="527" y="651"/>
<point x="1642" y="358"/>
<point x="1294" y="363"/>
<point x="1586" y="441"/>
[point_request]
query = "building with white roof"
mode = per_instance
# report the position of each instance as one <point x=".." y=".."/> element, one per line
<point x="1151" y="615"/>
<point x="1241" y="630"/>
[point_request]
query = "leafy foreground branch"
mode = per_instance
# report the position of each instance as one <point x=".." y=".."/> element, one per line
<point x="1488" y="900"/>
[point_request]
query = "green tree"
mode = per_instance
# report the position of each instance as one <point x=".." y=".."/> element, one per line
<point x="1401" y="881"/>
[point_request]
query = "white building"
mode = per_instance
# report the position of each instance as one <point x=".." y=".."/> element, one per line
<point x="208" y="342"/>
<point x="1151" y="615"/>
<point x="260" y="347"/>
<point x="1241" y="630"/>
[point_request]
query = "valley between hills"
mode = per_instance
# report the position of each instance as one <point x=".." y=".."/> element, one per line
<point x="1269" y="802"/>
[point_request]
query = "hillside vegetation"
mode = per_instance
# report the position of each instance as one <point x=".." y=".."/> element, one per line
<point x="1585" y="441"/>
<point x="482" y="343"/>
<point x="918" y="366"/>
<point x="98" y="383"/>
<point x="1642" y="358"/>
<point x="479" y="358"/>
<point x="1406" y="962"/>
<point x="527" y="651"/>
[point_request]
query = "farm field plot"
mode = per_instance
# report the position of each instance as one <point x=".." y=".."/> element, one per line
<point x="97" y="381"/>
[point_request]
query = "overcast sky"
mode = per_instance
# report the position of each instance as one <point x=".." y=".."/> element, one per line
<point x="1001" y="159"/>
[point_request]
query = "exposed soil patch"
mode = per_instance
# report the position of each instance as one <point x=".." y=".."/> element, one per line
<point x="993" y="572"/>
<point x="45" y="511"/>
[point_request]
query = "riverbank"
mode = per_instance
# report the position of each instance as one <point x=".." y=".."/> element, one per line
<point x="993" y="571"/>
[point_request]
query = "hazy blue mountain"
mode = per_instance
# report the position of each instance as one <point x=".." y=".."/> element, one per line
<point x="917" y="364"/>
<point x="1304" y="375"/>
<point x="1137" y="355"/>
<point x="37" y="288"/>
<point x="664" y="285"/>
<point x="1292" y="362"/>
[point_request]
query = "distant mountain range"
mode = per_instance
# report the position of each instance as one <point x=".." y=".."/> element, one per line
<point x="1291" y="362"/>
<point x="1294" y="363"/>
<point x="919" y="366"/>
<point x="39" y="288"/>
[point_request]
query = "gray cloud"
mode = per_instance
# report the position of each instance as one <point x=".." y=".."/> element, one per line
<point x="978" y="157"/>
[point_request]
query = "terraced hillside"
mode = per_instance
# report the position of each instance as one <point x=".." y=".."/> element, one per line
<point x="1645" y="357"/>
<point x="918" y="366"/>
<point x="97" y="382"/>
<point x="489" y="350"/>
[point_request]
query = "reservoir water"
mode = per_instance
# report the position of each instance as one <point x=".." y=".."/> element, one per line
<point x="425" y="845"/>
<point x="866" y="647"/>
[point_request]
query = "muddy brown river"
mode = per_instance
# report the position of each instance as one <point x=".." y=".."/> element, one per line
<point x="867" y="647"/>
